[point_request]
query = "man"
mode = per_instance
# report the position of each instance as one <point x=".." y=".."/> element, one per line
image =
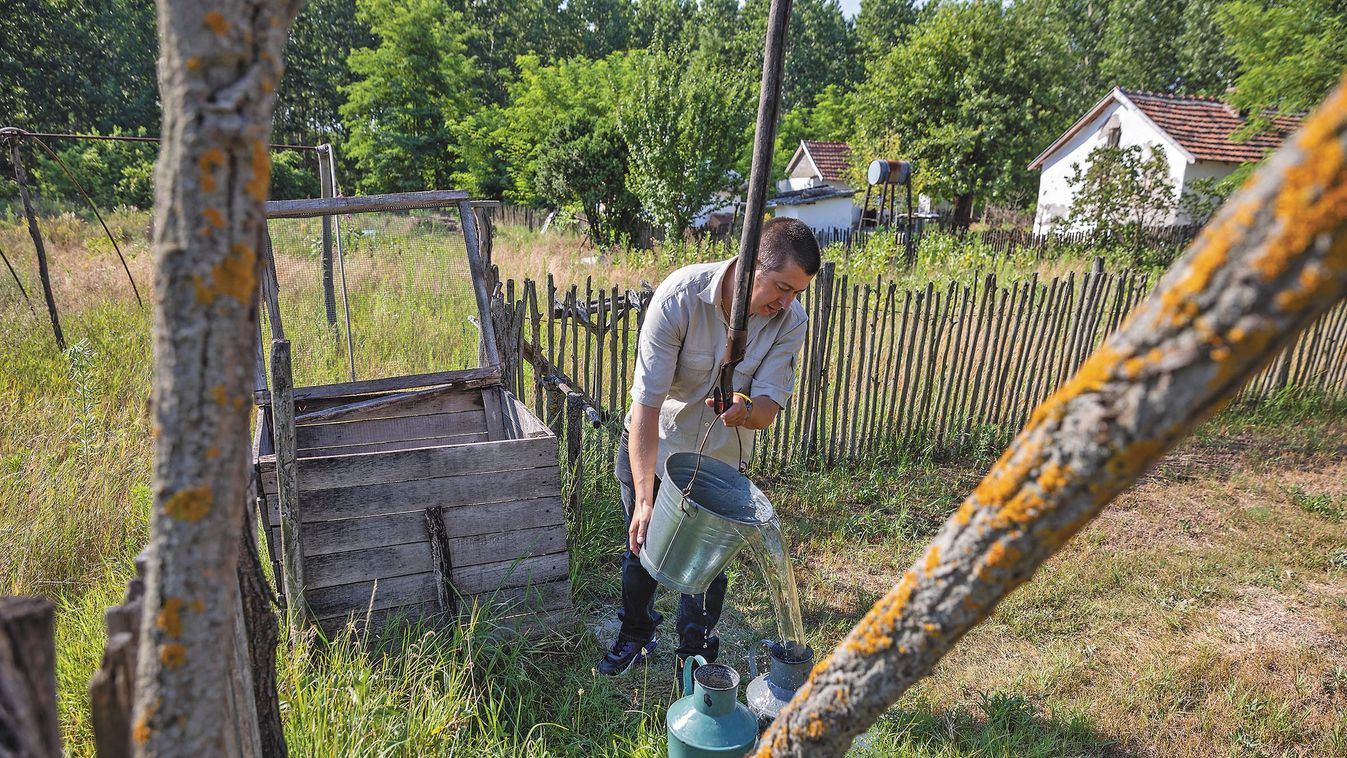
<point x="677" y="364"/>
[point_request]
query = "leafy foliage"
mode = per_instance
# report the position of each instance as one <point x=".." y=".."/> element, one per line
<point x="973" y="96"/>
<point x="585" y="163"/>
<point x="1290" y="53"/>
<point x="682" y="130"/>
<point x="412" y="87"/>
<point x="1122" y="191"/>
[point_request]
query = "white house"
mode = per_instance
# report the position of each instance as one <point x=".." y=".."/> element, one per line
<point x="1194" y="134"/>
<point x="815" y="189"/>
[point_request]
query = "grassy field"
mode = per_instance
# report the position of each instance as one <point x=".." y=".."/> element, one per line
<point x="1203" y="614"/>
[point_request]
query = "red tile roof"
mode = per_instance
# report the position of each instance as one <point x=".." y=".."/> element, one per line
<point x="1204" y="125"/>
<point x="832" y="158"/>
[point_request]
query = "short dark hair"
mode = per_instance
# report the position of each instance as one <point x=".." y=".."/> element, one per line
<point x="788" y="240"/>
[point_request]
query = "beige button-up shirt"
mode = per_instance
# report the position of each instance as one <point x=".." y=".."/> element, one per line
<point x="682" y="341"/>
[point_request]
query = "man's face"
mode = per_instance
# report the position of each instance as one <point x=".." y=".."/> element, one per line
<point x="774" y="291"/>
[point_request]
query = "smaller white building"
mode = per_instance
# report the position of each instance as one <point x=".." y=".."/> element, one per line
<point x="815" y="189"/>
<point x="1193" y="133"/>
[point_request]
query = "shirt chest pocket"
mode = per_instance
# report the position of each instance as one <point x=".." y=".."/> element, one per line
<point x="743" y="373"/>
<point x="695" y="370"/>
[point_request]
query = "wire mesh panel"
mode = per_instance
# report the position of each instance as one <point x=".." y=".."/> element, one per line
<point x="394" y="298"/>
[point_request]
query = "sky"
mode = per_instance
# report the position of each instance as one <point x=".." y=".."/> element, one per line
<point x="850" y="8"/>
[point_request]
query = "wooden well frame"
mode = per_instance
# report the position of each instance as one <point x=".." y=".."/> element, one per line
<point x="407" y="497"/>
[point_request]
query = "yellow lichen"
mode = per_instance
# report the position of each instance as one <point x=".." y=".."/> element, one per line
<point x="169" y="618"/>
<point x="932" y="629"/>
<point x="142" y="730"/>
<point x="1053" y="477"/>
<point x="216" y="22"/>
<point x="193" y="63"/>
<point x="210" y="160"/>
<point x="189" y="504"/>
<point x="932" y="560"/>
<point x="815" y="728"/>
<point x="261" y="165"/>
<point x="212" y="452"/>
<point x="871" y="635"/>
<point x="235" y="277"/>
<point x="997" y="556"/>
<point x="172" y="655"/>
<point x="214" y="218"/>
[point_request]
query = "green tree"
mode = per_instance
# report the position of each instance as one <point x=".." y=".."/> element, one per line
<point x="1078" y="26"/>
<point x="684" y="131"/>
<point x="312" y="91"/>
<point x="1122" y="192"/>
<point x="663" y="23"/>
<point x="500" y="31"/>
<point x="820" y="49"/>
<point x="585" y="164"/>
<point x="79" y="65"/>
<point x="604" y="26"/>
<point x="1141" y="44"/>
<point x="1290" y="53"/>
<point x="883" y="25"/>
<point x="508" y="141"/>
<point x="1206" y="64"/>
<point x="411" y="88"/>
<point x="973" y="96"/>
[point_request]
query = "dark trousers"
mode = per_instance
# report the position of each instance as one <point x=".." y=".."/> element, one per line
<point x="697" y="614"/>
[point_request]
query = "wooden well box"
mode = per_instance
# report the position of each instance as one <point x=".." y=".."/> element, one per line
<point x="413" y="496"/>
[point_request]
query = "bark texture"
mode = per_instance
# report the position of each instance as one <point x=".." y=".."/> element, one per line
<point x="29" y="725"/>
<point x="219" y="64"/>
<point x="1262" y="270"/>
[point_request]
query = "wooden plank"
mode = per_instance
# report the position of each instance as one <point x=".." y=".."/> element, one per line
<point x="468" y="438"/>
<point x="533" y="577"/>
<point x="464" y="378"/>
<point x="442" y="399"/>
<point x="360" y="596"/>
<point x="386" y="620"/>
<point x="422" y="463"/>
<point x="331" y="206"/>
<point x="332" y="569"/>
<point x="529" y="425"/>
<point x="489" y="352"/>
<point x="449" y="491"/>
<point x="390" y="429"/>
<point x="494" y="421"/>
<point x="29" y="720"/>
<point x="514" y="604"/>
<point x="478" y="533"/>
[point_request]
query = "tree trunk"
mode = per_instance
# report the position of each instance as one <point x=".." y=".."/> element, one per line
<point x="218" y="68"/>
<point x="963" y="211"/>
<point x="1270" y="263"/>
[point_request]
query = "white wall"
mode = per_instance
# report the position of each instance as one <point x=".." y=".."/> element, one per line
<point x="1055" y="194"/>
<point x="1204" y="170"/>
<point x="832" y="213"/>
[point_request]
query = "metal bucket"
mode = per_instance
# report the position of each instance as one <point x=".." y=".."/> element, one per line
<point x="691" y="538"/>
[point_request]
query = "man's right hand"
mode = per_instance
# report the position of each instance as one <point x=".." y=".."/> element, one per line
<point x="640" y="521"/>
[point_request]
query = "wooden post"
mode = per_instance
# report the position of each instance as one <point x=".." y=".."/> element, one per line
<point x="326" y="189"/>
<point x="287" y="484"/>
<point x="21" y="176"/>
<point x="490" y="355"/>
<point x="259" y="623"/>
<point x="574" y="429"/>
<point x="29" y="723"/>
<point x="112" y="689"/>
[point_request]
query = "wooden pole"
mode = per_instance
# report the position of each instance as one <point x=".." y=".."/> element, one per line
<point x="287" y="484"/>
<point x="326" y="189"/>
<point x="21" y="176"/>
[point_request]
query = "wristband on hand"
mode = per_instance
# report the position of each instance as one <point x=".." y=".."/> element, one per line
<point x="748" y="401"/>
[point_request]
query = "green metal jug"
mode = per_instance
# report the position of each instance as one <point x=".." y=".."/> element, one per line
<point x="710" y="720"/>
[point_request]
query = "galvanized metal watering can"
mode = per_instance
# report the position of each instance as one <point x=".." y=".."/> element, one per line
<point x="702" y="515"/>
<point x="710" y="720"/>
<point x="787" y="670"/>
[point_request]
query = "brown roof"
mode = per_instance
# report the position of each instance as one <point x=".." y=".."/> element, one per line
<point x="1204" y="125"/>
<point x="832" y="158"/>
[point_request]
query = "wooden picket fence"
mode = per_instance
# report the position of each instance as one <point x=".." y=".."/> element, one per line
<point x="938" y="369"/>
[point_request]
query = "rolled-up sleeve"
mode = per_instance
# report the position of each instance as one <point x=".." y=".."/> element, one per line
<point x="775" y="376"/>
<point x="657" y="354"/>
